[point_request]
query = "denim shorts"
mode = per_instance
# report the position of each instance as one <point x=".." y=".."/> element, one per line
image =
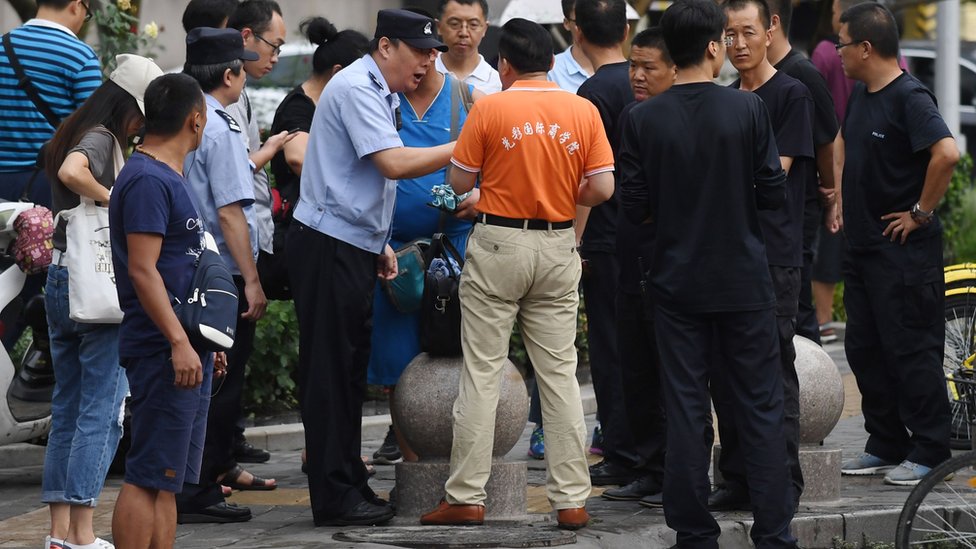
<point x="169" y="424"/>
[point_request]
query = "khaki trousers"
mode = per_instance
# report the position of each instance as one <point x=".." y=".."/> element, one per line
<point x="533" y="277"/>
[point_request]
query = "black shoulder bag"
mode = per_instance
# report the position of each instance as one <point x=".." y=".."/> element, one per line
<point x="440" y="308"/>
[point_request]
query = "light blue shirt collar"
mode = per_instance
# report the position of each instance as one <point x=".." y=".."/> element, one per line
<point x="376" y="75"/>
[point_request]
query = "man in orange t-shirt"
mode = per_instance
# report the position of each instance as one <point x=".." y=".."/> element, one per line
<point x="541" y="152"/>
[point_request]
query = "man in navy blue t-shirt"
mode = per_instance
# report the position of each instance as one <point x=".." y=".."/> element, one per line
<point x="897" y="156"/>
<point x="156" y="237"/>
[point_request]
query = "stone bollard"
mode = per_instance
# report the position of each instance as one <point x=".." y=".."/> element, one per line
<point x="423" y="411"/>
<point x="821" y="405"/>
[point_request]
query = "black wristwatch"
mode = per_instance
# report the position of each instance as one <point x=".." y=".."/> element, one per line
<point x="921" y="216"/>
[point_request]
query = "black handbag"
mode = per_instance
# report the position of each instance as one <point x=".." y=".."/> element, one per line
<point x="440" y="308"/>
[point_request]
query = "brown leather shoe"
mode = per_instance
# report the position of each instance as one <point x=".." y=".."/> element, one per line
<point x="447" y="514"/>
<point x="573" y="519"/>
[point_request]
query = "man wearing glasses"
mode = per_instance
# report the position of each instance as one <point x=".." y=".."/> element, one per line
<point x="462" y="25"/>
<point x="31" y="114"/>
<point x="896" y="156"/>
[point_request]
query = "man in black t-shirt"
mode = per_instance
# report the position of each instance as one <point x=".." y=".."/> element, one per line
<point x="820" y="199"/>
<point x="603" y="28"/>
<point x="898" y="157"/>
<point x="697" y="162"/>
<point x="791" y="110"/>
<point x="651" y="73"/>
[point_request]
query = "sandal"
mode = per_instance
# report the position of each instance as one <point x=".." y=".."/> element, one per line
<point x="232" y="477"/>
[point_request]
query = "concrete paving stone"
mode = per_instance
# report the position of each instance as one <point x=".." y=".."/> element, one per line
<point x="872" y="525"/>
<point x="818" y="531"/>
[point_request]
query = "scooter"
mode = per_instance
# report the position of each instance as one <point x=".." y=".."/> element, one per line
<point x="25" y="387"/>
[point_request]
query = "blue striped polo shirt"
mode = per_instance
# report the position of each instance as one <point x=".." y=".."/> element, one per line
<point x="65" y="72"/>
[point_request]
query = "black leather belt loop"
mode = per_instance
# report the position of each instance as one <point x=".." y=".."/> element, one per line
<point x="530" y="224"/>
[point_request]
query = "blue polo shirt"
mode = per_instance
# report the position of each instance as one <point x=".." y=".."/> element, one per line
<point x="219" y="173"/>
<point x="566" y="72"/>
<point x="343" y="194"/>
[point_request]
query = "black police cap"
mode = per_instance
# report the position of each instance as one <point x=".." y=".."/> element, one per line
<point x="208" y="46"/>
<point x="414" y="29"/>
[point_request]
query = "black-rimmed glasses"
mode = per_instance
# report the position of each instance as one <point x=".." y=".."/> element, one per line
<point x="88" y="11"/>
<point x="275" y="50"/>
<point x="841" y="46"/>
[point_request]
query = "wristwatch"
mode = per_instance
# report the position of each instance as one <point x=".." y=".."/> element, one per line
<point x="921" y="216"/>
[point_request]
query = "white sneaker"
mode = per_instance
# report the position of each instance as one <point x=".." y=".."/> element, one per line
<point x="50" y="543"/>
<point x="99" y="543"/>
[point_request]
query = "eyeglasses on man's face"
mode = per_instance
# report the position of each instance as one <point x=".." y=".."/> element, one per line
<point x="275" y="49"/>
<point x="88" y="11"/>
<point x="473" y="25"/>
<point x="841" y="45"/>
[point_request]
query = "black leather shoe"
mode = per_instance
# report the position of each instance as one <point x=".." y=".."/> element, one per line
<point x="219" y="512"/>
<point x="634" y="491"/>
<point x="605" y="472"/>
<point x="245" y="453"/>
<point x="363" y="514"/>
<point x="724" y="498"/>
<point x="653" y="501"/>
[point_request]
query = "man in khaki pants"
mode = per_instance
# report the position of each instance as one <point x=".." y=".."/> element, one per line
<point x="534" y="144"/>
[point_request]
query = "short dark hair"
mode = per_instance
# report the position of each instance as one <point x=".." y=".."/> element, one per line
<point x="568" y="7"/>
<point x="169" y="100"/>
<point x="374" y="44"/>
<point x="211" y="77"/>
<point x="526" y="45"/>
<point x="54" y="4"/>
<point x="784" y="9"/>
<point x="334" y="47"/>
<point x="602" y="22"/>
<point x="688" y="27"/>
<point x="254" y="14"/>
<point x="761" y="5"/>
<point x="844" y="4"/>
<point x="873" y="23"/>
<point x="652" y="38"/>
<point x="207" y="13"/>
<point x="483" y="3"/>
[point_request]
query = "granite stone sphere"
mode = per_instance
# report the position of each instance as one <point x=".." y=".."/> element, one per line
<point x="424" y="401"/>
<point x="821" y="391"/>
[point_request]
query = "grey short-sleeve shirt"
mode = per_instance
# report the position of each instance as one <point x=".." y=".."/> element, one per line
<point x="97" y="145"/>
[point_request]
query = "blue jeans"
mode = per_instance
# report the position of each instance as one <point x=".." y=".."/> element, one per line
<point x="86" y="409"/>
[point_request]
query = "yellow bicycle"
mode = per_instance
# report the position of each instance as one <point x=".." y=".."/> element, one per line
<point x="960" y="343"/>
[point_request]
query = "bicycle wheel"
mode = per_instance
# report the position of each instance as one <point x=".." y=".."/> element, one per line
<point x="960" y="344"/>
<point x="941" y="510"/>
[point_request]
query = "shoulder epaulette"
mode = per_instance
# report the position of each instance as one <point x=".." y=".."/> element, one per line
<point x="234" y="126"/>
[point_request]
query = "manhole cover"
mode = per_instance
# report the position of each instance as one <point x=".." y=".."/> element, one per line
<point x="456" y="537"/>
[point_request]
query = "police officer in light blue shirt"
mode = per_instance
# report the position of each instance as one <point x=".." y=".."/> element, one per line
<point x="338" y="245"/>
<point x="220" y="174"/>
<point x="219" y="177"/>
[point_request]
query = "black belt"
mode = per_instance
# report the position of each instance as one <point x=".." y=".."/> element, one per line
<point x="531" y="224"/>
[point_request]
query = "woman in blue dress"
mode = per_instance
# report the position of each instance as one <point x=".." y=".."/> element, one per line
<point x="426" y="114"/>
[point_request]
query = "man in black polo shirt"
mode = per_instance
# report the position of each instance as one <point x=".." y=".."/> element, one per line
<point x="603" y="28"/>
<point x="698" y="161"/>
<point x="791" y="110"/>
<point x="899" y="159"/>
<point x="820" y="200"/>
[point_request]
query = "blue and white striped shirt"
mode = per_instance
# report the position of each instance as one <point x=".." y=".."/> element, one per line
<point x="65" y="72"/>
